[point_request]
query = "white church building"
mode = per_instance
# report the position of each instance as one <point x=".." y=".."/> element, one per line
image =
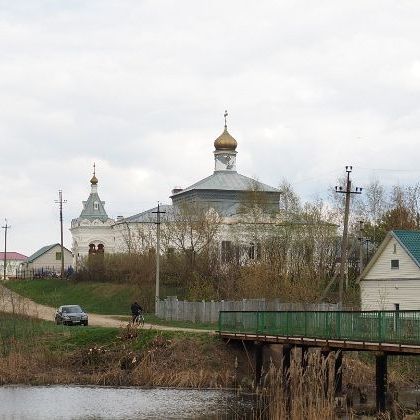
<point x="222" y="194"/>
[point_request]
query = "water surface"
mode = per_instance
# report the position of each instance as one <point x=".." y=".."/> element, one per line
<point x="77" y="402"/>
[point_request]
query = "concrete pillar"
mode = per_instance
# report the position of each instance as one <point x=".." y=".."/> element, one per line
<point x="338" y="372"/>
<point x="287" y="350"/>
<point x="258" y="362"/>
<point x="325" y="354"/>
<point x="381" y="381"/>
<point x="305" y="355"/>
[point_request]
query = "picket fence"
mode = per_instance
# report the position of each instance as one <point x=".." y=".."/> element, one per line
<point x="172" y="309"/>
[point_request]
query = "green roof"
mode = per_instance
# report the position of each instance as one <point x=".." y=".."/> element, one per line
<point x="410" y="241"/>
<point x="42" y="251"/>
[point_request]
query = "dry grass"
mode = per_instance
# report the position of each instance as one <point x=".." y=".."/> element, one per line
<point x="175" y="361"/>
<point x="302" y="393"/>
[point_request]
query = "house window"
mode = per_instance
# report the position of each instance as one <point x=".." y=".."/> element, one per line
<point x="96" y="205"/>
<point x="58" y="256"/>
<point x="395" y="248"/>
<point x="395" y="264"/>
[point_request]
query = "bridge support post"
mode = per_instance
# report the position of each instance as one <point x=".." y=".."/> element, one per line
<point x="287" y="350"/>
<point x="258" y="362"/>
<point x="338" y="372"/>
<point x="305" y="361"/>
<point x="324" y="354"/>
<point x="381" y="381"/>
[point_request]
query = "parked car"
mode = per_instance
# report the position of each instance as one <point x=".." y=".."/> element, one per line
<point x="70" y="315"/>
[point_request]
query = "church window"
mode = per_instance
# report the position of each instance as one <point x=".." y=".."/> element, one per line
<point x="227" y="251"/>
<point x="251" y="251"/>
<point x="395" y="264"/>
<point x="395" y="249"/>
<point x="96" y="205"/>
<point x="58" y="256"/>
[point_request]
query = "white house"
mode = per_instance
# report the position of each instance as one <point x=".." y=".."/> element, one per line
<point x="13" y="262"/>
<point x="47" y="260"/>
<point x="391" y="280"/>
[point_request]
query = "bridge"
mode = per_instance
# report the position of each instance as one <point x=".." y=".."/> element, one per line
<point x="384" y="333"/>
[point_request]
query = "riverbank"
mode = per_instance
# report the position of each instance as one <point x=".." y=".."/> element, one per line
<point x="39" y="352"/>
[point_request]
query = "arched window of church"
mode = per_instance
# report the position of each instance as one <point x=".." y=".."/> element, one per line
<point x="96" y="205"/>
<point x="251" y="251"/>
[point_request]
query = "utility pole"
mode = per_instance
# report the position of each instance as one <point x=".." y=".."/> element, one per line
<point x="158" y="222"/>
<point x="5" y="227"/>
<point x="361" y="239"/>
<point x="344" y="244"/>
<point x="60" y="202"/>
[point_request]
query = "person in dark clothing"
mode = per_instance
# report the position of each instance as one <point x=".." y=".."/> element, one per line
<point x="136" y="310"/>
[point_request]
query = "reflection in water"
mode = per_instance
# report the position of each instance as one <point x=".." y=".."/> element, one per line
<point x="73" y="402"/>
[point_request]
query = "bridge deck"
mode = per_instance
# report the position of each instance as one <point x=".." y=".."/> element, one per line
<point x="395" y="332"/>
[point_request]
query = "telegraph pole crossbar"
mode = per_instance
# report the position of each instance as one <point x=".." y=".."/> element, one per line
<point x="5" y="227"/>
<point x="158" y="222"/>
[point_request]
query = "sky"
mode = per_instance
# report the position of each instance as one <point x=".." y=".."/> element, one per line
<point x="140" y="88"/>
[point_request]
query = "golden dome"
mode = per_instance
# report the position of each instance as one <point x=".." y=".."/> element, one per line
<point x="225" y="141"/>
<point x="94" y="180"/>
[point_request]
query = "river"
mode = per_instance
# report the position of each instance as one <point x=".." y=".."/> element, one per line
<point x="82" y="402"/>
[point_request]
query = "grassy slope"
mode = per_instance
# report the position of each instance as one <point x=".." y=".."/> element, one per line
<point x="67" y="338"/>
<point x="101" y="298"/>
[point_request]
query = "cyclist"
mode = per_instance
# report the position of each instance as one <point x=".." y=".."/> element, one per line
<point x="136" y="311"/>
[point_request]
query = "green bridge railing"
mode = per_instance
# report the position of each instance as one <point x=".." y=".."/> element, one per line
<point x="373" y="326"/>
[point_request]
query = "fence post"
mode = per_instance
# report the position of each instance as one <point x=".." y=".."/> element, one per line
<point x="380" y="334"/>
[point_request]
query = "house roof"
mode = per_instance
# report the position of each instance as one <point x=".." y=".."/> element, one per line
<point x="15" y="256"/>
<point x="228" y="181"/>
<point x="42" y="251"/>
<point x="409" y="241"/>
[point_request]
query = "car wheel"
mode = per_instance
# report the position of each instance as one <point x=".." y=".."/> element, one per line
<point x="85" y="323"/>
<point x="57" y="321"/>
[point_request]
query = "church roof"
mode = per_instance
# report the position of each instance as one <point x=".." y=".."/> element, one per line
<point x="228" y="181"/>
<point x="148" y="216"/>
<point x="90" y="212"/>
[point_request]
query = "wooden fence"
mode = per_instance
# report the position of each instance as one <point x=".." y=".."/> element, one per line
<point x="172" y="309"/>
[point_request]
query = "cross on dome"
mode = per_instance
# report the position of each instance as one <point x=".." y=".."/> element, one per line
<point x="94" y="180"/>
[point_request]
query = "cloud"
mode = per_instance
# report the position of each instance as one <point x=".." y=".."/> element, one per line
<point x="141" y="87"/>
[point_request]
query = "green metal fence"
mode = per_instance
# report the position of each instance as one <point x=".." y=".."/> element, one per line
<point x="372" y="326"/>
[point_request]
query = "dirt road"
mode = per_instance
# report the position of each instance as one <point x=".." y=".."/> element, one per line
<point x="11" y="302"/>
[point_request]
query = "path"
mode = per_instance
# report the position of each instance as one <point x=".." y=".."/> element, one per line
<point x="11" y="302"/>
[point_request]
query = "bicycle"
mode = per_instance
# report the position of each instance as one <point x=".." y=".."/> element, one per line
<point x="139" y="320"/>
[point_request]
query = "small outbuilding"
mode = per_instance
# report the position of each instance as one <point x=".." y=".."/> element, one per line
<point x="13" y="263"/>
<point x="391" y="280"/>
<point x="47" y="260"/>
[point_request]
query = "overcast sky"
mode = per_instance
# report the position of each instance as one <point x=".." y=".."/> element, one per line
<point x="140" y="87"/>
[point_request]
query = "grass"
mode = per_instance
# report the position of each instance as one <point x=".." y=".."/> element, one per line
<point x="100" y="298"/>
<point x="58" y="337"/>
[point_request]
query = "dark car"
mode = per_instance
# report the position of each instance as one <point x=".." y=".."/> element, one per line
<point x="71" y="315"/>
